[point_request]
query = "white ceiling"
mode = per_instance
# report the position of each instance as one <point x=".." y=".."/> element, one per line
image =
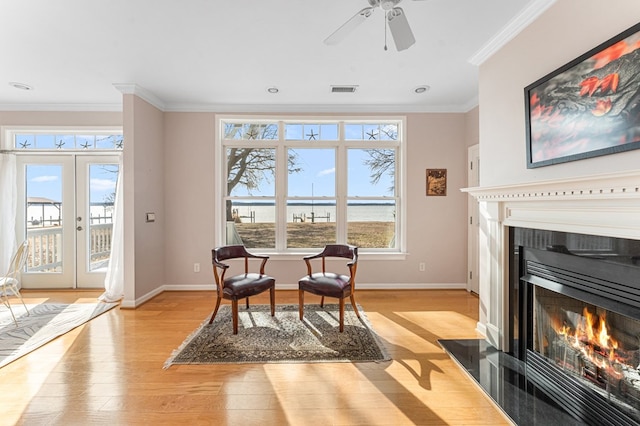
<point x="222" y="55"/>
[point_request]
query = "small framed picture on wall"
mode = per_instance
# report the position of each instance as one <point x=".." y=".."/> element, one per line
<point x="436" y="182"/>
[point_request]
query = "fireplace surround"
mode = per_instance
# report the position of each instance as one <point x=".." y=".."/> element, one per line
<point x="575" y="311"/>
<point x="603" y="208"/>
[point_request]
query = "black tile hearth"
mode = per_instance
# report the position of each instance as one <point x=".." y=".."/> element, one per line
<point x="502" y="377"/>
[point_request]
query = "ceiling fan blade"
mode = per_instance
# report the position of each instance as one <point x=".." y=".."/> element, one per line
<point x="346" y="28"/>
<point x="400" y="29"/>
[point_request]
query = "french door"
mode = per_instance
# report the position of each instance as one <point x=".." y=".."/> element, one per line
<point x="67" y="215"/>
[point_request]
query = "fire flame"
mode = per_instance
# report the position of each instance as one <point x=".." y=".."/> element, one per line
<point x="592" y="338"/>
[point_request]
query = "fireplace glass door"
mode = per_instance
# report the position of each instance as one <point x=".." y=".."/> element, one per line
<point x="598" y="348"/>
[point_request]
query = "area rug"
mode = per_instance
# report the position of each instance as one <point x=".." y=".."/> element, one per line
<point x="45" y="322"/>
<point x="284" y="338"/>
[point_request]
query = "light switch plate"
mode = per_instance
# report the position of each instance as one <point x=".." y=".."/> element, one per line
<point x="151" y="217"/>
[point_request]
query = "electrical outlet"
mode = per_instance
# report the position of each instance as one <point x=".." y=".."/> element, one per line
<point x="422" y="266"/>
<point x="196" y="267"/>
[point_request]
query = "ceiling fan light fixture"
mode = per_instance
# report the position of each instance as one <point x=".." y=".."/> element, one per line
<point x="421" y="89"/>
<point x="20" y="86"/>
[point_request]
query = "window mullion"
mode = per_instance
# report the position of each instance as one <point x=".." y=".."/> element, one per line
<point x="341" y="193"/>
<point x="282" y="171"/>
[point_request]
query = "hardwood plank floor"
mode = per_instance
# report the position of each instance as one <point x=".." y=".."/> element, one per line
<point x="109" y="371"/>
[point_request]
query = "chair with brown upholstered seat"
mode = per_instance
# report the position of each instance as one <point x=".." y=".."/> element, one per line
<point x="240" y="286"/>
<point x="331" y="284"/>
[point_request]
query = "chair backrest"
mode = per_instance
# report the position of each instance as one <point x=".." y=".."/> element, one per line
<point x="220" y="254"/>
<point x="340" y="250"/>
<point x="336" y="250"/>
<point x="230" y="252"/>
<point x="18" y="260"/>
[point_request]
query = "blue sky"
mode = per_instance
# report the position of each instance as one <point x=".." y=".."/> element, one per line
<point x="318" y="176"/>
<point x="46" y="181"/>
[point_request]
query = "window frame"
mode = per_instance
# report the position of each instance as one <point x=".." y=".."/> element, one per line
<point x="9" y="133"/>
<point x="341" y="145"/>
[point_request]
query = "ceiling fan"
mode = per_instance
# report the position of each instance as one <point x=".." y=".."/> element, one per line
<point x="395" y="18"/>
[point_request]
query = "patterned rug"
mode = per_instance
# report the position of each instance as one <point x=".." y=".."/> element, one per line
<point x="284" y="338"/>
<point x="44" y="323"/>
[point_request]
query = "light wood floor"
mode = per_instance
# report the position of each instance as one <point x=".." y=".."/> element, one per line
<point x="109" y="371"/>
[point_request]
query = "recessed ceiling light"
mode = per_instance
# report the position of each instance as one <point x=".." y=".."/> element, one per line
<point x="20" y="86"/>
<point x="421" y="89"/>
<point x="273" y="90"/>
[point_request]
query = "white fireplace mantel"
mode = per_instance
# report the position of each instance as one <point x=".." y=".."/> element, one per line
<point x="606" y="205"/>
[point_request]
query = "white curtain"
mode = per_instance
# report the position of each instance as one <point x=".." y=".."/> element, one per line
<point x="114" y="280"/>
<point x="8" y="209"/>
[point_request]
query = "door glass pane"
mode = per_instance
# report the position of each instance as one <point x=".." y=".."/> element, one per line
<point x="44" y="217"/>
<point x="102" y="194"/>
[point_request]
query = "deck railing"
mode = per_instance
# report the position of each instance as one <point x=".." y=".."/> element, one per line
<point x="45" y="246"/>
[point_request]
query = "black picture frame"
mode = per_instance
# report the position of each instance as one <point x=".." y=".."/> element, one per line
<point x="588" y="107"/>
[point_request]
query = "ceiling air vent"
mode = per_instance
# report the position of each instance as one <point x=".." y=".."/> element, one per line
<point x="343" y="89"/>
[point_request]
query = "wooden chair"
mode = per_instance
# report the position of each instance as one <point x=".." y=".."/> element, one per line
<point x="9" y="282"/>
<point x="240" y="286"/>
<point x="331" y="284"/>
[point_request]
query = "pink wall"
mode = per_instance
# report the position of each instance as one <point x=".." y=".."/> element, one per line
<point x="436" y="225"/>
<point x="169" y="170"/>
<point x="144" y="193"/>
<point x="565" y="31"/>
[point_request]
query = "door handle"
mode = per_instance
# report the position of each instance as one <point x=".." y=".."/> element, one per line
<point x="79" y="228"/>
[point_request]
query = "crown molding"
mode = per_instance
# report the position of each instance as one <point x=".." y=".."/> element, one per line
<point x="512" y="29"/>
<point x="317" y="108"/>
<point x="141" y="92"/>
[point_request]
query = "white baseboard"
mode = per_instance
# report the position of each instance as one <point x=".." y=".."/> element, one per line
<point x="481" y="328"/>
<point x="132" y="304"/>
<point x="372" y="286"/>
<point x="189" y="287"/>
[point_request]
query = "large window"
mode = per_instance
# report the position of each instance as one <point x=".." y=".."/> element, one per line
<point x="290" y="185"/>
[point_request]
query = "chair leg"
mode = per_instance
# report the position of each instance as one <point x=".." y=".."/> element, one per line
<point x="5" y="302"/>
<point x="341" y="315"/>
<point x="234" y="314"/>
<point x="215" y="311"/>
<point x="355" y="308"/>
<point x="272" y="297"/>
<point x="21" y="300"/>
<point x="301" y="303"/>
<point x="247" y="300"/>
<point x="322" y="302"/>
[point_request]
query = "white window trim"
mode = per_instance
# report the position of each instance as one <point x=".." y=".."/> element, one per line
<point x="399" y="253"/>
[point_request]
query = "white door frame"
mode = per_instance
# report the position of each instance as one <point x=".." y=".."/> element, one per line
<point x="73" y="241"/>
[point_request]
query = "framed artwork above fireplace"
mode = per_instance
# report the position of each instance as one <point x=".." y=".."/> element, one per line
<point x="588" y="107"/>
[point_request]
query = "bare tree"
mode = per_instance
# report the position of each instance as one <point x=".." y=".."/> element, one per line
<point x="249" y="167"/>
<point x="382" y="161"/>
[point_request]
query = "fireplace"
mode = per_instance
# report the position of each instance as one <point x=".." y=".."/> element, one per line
<point x="581" y="221"/>
<point x="575" y="305"/>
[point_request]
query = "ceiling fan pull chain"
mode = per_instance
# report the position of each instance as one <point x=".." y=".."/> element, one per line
<point x="385" y="31"/>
